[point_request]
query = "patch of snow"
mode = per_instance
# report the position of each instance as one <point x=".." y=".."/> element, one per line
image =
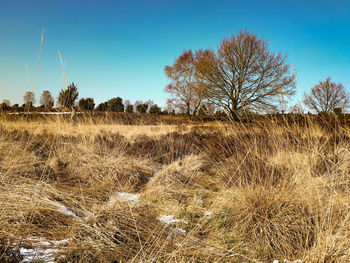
<point x="169" y="219"/>
<point x="43" y="250"/>
<point x="207" y="213"/>
<point x="122" y="196"/>
<point x="129" y="197"/>
<point x="45" y="255"/>
<point x="63" y="209"/>
<point x="39" y="241"/>
<point x="60" y="242"/>
<point x="183" y="231"/>
<point x="200" y="200"/>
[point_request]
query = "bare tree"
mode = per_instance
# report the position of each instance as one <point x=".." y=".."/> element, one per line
<point x="244" y="75"/>
<point x="127" y="103"/>
<point x="169" y="106"/>
<point x="326" y="96"/>
<point x="150" y="103"/>
<point x="138" y="102"/>
<point x="211" y="108"/>
<point x="6" y="102"/>
<point x="185" y="88"/>
<point x="46" y="99"/>
<point x="29" y="98"/>
<point x="296" y="109"/>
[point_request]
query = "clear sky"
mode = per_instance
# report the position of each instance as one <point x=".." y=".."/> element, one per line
<point x="119" y="48"/>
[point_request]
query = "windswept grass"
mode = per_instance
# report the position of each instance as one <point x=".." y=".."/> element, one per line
<point x="99" y="192"/>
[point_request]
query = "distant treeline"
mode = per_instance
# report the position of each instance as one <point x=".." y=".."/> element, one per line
<point x="242" y="77"/>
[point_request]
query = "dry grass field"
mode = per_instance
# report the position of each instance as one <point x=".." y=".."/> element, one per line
<point x="254" y="192"/>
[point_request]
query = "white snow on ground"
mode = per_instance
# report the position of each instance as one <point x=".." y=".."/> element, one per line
<point x="44" y="255"/>
<point x="119" y="196"/>
<point x="207" y="213"/>
<point x="128" y="197"/>
<point x="122" y="196"/>
<point x="43" y="250"/>
<point x="63" y="209"/>
<point x="169" y="219"/>
<point x="40" y="241"/>
<point x="183" y="231"/>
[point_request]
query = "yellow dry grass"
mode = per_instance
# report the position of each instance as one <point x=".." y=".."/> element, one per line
<point x="254" y="192"/>
<point x="66" y="129"/>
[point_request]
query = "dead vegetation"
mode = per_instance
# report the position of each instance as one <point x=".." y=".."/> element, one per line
<point x="253" y="192"/>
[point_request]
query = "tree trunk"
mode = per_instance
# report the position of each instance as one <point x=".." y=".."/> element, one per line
<point x="234" y="116"/>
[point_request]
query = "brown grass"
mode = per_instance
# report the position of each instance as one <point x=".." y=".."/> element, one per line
<point x="251" y="192"/>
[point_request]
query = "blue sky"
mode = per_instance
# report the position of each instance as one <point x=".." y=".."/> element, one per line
<point x="120" y="48"/>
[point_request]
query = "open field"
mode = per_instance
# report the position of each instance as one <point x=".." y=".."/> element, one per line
<point x="166" y="192"/>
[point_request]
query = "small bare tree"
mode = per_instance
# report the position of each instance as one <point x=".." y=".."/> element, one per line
<point x="244" y="75"/>
<point x="29" y="98"/>
<point x="296" y="109"/>
<point x="185" y="87"/>
<point x="6" y="102"/>
<point x="169" y="106"/>
<point x="127" y="103"/>
<point x="326" y="96"/>
<point x="137" y="103"/>
<point x="46" y="99"/>
<point x="150" y="103"/>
